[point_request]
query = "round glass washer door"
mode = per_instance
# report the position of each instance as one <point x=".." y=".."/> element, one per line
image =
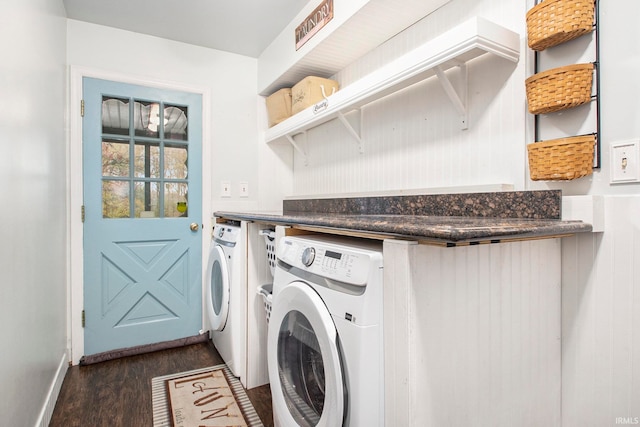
<point x="305" y="366"/>
<point x="217" y="288"/>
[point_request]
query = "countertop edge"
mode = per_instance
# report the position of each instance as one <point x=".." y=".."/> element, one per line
<point x="442" y="230"/>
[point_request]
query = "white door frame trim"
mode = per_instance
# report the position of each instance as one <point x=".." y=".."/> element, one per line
<point x="75" y="264"/>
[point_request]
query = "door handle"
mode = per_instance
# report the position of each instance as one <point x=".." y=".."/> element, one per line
<point x="194" y="226"/>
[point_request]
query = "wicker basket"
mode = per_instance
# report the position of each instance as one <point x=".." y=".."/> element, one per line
<point x="552" y="22"/>
<point x="559" y="88"/>
<point x="561" y="159"/>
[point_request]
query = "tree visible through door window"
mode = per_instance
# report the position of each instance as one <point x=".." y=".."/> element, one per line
<point x="145" y="150"/>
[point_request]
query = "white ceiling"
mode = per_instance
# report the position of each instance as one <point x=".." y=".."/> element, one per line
<point x="245" y="27"/>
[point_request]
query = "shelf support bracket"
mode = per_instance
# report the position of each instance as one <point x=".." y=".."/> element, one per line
<point x="298" y="148"/>
<point x="357" y="135"/>
<point x="459" y="100"/>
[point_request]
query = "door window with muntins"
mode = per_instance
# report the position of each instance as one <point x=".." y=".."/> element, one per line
<point x="145" y="151"/>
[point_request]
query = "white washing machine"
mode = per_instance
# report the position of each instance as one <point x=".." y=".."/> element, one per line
<point x="226" y="293"/>
<point x="325" y="339"/>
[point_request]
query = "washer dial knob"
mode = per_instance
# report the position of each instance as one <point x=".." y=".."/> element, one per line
<point x="308" y="255"/>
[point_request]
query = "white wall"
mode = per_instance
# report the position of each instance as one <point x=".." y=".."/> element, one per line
<point x="232" y="121"/>
<point x="230" y="134"/>
<point x="413" y="139"/>
<point x="601" y="320"/>
<point x="472" y="334"/>
<point x="601" y="280"/>
<point x="412" y="142"/>
<point x="416" y="146"/>
<point x="33" y="254"/>
<point x="229" y="79"/>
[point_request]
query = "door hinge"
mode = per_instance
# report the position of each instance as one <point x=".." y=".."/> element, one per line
<point x="83" y="319"/>
<point x="82" y="213"/>
<point x="82" y="108"/>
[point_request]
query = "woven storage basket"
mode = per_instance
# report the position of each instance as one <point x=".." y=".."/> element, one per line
<point x="552" y="22"/>
<point x="561" y="159"/>
<point x="559" y="88"/>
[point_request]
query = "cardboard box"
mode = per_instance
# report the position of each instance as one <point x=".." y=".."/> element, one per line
<point x="309" y="91"/>
<point x="279" y="106"/>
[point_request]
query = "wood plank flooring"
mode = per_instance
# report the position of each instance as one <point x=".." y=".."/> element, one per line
<point x="117" y="393"/>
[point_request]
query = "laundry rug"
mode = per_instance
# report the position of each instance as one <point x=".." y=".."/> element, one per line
<point x="208" y="397"/>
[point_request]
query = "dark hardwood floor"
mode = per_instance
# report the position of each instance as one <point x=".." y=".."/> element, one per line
<point x="117" y="393"/>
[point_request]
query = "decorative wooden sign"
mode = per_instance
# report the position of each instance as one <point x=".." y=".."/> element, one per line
<point x="314" y="23"/>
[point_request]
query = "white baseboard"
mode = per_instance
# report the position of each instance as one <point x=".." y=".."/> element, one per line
<point x="52" y="395"/>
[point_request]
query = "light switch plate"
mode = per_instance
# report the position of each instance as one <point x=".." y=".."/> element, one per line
<point x="225" y="189"/>
<point x="625" y="162"/>
<point x="244" y="189"/>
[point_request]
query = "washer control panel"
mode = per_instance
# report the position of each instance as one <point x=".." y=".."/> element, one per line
<point x="330" y="259"/>
<point x="225" y="234"/>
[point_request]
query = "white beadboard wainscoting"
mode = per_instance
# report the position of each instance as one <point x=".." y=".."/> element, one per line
<point x="472" y="334"/>
<point x="412" y="140"/>
<point x="601" y="320"/>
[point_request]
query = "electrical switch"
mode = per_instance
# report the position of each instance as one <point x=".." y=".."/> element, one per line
<point x="225" y="189"/>
<point x="244" y="189"/>
<point x="625" y="162"/>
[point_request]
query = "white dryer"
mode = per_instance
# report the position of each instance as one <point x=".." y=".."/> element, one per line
<point x="325" y="339"/>
<point x="226" y="292"/>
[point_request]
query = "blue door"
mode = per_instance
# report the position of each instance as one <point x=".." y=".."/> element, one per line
<point x="142" y="159"/>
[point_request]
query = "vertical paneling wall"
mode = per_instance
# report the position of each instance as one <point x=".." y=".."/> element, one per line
<point x="413" y="139"/>
<point x="601" y="277"/>
<point x="601" y="320"/>
<point x="472" y="334"/>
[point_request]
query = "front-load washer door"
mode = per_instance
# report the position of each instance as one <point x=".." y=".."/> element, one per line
<point x="305" y="366"/>
<point x="217" y="288"/>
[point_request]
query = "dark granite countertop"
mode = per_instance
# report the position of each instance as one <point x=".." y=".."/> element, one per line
<point x="444" y="218"/>
<point x="452" y="230"/>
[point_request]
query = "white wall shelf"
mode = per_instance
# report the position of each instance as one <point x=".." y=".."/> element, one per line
<point x="454" y="48"/>
<point x="357" y="27"/>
